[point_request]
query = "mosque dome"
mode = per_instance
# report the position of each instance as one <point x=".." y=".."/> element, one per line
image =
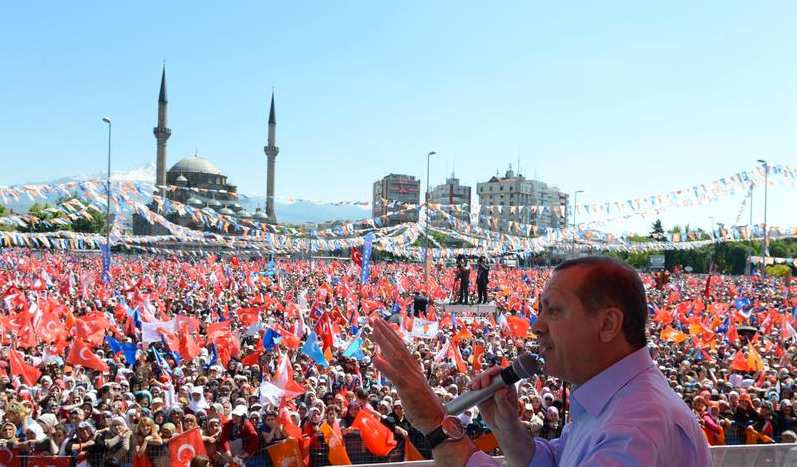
<point x="226" y="212"/>
<point x="195" y="164"/>
<point x="195" y="202"/>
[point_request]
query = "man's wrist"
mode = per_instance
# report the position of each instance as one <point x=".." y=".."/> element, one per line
<point x="430" y="422"/>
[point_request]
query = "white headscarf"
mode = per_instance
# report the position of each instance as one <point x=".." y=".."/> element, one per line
<point x="201" y="404"/>
<point x="38" y="431"/>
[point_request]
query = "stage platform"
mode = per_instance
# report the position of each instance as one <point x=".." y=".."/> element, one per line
<point x="463" y="310"/>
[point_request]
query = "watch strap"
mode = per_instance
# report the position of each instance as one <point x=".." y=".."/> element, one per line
<point x="437" y="436"/>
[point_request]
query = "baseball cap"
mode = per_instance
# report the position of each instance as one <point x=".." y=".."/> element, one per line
<point x="240" y="410"/>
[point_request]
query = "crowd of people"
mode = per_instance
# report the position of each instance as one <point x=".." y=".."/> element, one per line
<point x="243" y="360"/>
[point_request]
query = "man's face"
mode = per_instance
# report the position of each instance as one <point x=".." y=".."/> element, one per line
<point x="567" y="335"/>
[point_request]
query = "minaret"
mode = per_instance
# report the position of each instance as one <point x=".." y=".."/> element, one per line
<point x="162" y="133"/>
<point x="271" y="151"/>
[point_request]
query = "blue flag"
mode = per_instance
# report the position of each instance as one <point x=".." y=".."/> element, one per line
<point x="270" y="339"/>
<point x="312" y="350"/>
<point x="106" y="263"/>
<point x="137" y="318"/>
<point x="129" y="349"/>
<point x="367" y="248"/>
<point x="355" y="349"/>
<point x="162" y="363"/>
<point x="214" y="357"/>
<point x="526" y="279"/>
<point x="741" y="303"/>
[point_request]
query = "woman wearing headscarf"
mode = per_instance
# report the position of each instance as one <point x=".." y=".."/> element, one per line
<point x="8" y="435"/>
<point x="37" y="443"/>
<point x="351" y="413"/>
<point x="197" y="400"/>
<point x="116" y="439"/>
<point x="551" y="428"/>
<point x="312" y="426"/>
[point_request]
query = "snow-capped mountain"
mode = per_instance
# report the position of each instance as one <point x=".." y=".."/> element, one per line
<point x="295" y="213"/>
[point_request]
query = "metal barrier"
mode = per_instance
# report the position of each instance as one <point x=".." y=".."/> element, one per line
<point x="770" y="455"/>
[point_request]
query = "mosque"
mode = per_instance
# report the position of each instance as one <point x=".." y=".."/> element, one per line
<point x="213" y="192"/>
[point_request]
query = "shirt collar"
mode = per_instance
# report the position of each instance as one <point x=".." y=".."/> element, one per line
<point x="596" y="393"/>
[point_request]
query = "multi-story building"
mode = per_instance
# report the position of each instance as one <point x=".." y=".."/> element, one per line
<point x="512" y="197"/>
<point x="453" y="199"/>
<point x="391" y="194"/>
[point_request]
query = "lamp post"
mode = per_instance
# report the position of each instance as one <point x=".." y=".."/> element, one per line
<point x="765" y="247"/>
<point x="108" y="187"/>
<point x="426" y="226"/>
<point x="575" y="225"/>
<point x="749" y="265"/>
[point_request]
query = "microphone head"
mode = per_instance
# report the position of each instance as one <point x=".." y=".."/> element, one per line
<point x="526" y="365"/>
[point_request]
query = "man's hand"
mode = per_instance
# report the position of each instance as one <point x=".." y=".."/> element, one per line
<point x="421" y="406"/>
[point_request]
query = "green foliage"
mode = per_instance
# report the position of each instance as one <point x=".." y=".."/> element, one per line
<point x="778" y="270"/>
<point x="657" y="231"/>
<point x="46" y="214"/>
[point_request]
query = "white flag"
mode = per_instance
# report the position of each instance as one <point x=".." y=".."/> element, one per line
<point x="425" y="329"/>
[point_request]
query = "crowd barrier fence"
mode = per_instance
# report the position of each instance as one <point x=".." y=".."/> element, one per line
<point x="768" y="455"/>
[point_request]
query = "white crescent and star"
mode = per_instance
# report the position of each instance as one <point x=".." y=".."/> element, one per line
<point x="186" y="447"/>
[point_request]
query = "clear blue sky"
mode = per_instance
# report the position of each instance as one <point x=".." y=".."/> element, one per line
<point x="620" y="99"/>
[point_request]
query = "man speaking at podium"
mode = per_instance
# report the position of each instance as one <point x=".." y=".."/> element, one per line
<point x="591" y="333"/>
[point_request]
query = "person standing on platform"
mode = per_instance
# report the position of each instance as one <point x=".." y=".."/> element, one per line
<point x="463" y="273"/>
<point x="482" y="278"/>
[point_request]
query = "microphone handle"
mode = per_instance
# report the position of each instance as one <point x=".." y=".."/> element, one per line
<point x="472" y="398"/>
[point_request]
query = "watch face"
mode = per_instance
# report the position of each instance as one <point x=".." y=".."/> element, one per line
<point x="453" y="427"/>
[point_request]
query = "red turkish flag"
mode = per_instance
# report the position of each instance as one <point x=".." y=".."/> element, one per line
<point x="50" y="328"/>
<point x="49" y="461"/>
<point x="10" y="457"/>
<point x="248" y="316"/>
<point x="376" y="436"/>
<point x="189" y="349"/>
<point x="518" y="326"/>
<point x="80" y="354"/>
<point x="357" y="257"/>
<point x="30" y="374"/>
<point x="186" y="446"/>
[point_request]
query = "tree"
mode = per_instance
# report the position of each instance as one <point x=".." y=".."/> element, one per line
<point x="657" y="231"/>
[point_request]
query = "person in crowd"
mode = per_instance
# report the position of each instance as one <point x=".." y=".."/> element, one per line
<point x="271" y="430"/>
<point x="116" y="441"/>
<point x="148" y="444"/>
<point x="238" y="438"/>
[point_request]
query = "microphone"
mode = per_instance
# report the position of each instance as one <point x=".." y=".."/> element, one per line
<point x="525" y="366"/>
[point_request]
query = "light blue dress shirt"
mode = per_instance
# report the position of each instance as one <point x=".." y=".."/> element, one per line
<point x="627" y="415"/>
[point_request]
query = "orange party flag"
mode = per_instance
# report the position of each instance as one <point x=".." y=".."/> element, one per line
<point x="674" y="335"/>
<point x="410" y="453"/>
<point x="754" y="361"/>
<point x="337" y="450"/>
<point x="739" y="363"/>
<point x="286" y="453"/>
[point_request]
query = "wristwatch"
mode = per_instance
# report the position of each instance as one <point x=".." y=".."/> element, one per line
<point x="450" y="429"/>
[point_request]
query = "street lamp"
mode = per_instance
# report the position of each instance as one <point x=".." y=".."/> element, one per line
<point x="108" y="193"/>
<point x="575" y="225"/>
<point x="765" y="247"/>
<point x="426" y="226"/>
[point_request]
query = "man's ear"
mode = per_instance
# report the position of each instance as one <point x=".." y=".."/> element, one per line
<point x="612" y="324"/>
